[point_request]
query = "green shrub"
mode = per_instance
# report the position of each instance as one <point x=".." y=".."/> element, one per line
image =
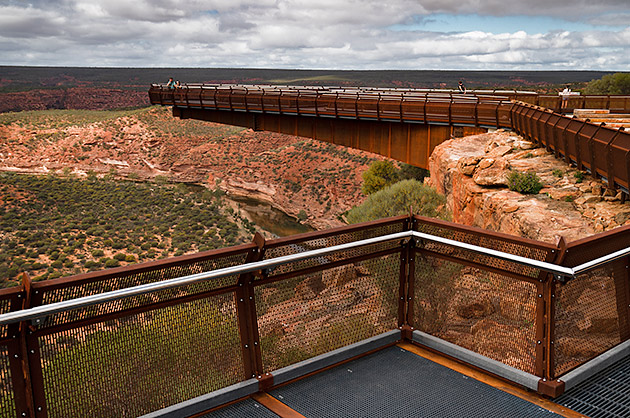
<point x="526" y="183"/>
<point x="398" y="199"/>
<point x="302" y="215"/>
<point x="380" y="175"/>
<point x="120" y="256"/>
<point x="579" y="176"/>
<point x="130" y="258"/>
<point x="97" y="253"/>
<point x="112" y="263"/>
<point x="558" y="173"/>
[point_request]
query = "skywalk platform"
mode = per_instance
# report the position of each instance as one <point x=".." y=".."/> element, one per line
<point x="402" y="380"/>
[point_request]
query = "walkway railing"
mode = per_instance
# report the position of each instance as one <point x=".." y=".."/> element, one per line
<point x="128" y="341"/>
<point x="602" y="151"/>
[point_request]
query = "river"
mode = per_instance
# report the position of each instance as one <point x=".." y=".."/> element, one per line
<point x="266" y="217"/>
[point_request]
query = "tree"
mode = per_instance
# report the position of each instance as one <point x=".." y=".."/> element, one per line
<point x="397" y="199"/>
<point x="380" y="174"/>
<point x="618" y="83"/>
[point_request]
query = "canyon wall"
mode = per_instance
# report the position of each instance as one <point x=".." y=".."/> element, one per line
<point x="472" y="172"/>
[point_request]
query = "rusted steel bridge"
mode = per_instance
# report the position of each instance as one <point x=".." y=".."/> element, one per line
<point x="407" y="124"/>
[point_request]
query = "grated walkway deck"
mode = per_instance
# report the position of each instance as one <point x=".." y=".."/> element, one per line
<point x="605" y="395"/>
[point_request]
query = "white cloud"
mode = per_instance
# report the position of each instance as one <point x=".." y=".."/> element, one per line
<point x="335" y="34"/>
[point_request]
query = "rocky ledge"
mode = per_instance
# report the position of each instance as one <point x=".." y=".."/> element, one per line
<point x="472" y="172"/>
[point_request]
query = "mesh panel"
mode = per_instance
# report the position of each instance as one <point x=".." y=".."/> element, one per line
<point x="330" y="241"/>
<point x="5" y="306"/>
<point x="144" y="362"/>
<point x="305" y="316"/>
<point x="135" y="279"/>
<point x="7" y="402"/>
<point x="487" y="313"/>
<point x="494" y="243"/>
<point x="597" y="248"/>
<point x="587" y="319"/>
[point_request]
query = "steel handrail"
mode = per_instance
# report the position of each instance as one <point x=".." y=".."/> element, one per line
<point x="57" y="307"/>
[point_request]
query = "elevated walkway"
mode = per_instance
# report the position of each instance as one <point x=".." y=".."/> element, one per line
<point x="406" y="124"/>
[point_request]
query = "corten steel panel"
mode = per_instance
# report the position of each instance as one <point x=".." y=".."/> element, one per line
<point x="368" y="107"/>
<point x="381" y="138"/>
<point x="587" y="317"/>
<point x="399" y="133"/>
<point x="491" y="314"/>
<point x="487" y="306"/>
<point x="551" y="102"/>
<point x="585" y="147"/>
<point x="601" y="154"/>
<point x="306" y="126"/>
<point x="621" y="159"/>
<point x="414" y="110"/>
<point x="345" y="132"/>
<point x="419" y="143"/>
<point x="324" y="130"/>
<point x="390" y="108"/>
<point x="437" y="135"/>
<point x="308" y="315"/>
<point x="288" y="124"/>
<point x="596" y="102"/>
<point x="142" y="363"/>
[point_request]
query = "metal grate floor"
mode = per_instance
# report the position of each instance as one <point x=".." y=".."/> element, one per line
<point x="605" y="395"/>
<point x="397" y="383"/>
<point x="248" y="408"/>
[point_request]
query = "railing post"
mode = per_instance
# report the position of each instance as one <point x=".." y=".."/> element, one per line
<point x="32" y="353"/>
<point x="545" y="327"/>
<point x="16" y="349"/>
<point x="406" y="286"/>
<point x="246" y="313"/>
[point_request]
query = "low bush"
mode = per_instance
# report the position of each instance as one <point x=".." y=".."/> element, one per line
<point x="525" y="183"/>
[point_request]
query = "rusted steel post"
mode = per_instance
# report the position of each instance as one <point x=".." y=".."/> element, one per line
<point x="411" y="274"/>
<point x="246" y="313"/>
<point x="32" y="353"/>
<point x="16" y="349"/>
<point x="545" y="328"/>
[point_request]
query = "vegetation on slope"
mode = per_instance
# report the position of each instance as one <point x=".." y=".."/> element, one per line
<point x="398" y="199"/>
<point x="52" y="226"/>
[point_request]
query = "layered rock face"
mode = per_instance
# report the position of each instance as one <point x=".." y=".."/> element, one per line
<point x="472" y="172"/>
<point x="495" y="315"/>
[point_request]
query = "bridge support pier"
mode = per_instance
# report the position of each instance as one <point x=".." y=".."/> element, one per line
<point x="411" y="143"/>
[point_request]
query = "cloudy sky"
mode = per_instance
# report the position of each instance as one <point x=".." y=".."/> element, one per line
<point x="319" y="34"/>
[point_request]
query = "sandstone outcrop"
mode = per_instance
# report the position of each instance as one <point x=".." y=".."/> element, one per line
<point x="472" y="173"/>
<point x="466" y="308"/>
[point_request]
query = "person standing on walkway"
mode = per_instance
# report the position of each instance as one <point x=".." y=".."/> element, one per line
<point x="461" y="87"/>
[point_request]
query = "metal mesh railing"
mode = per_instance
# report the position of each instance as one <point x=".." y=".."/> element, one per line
<point x="141" y="363"/>
<point x="270" y="304"/>
<point x="7" y="400"/>
<point x="55" y="291"/>
<point x="308" y="315"/>
<point x="490" y="314"/>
